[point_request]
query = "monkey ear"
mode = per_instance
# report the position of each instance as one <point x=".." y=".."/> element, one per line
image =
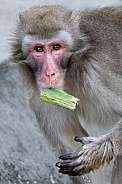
<point x="21" y="18"/>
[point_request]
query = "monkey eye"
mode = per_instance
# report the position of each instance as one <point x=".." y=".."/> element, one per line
<point x="56" y="47"/>
<point x="39" y="49"/>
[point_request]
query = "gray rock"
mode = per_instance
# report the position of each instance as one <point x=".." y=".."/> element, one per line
<point x="25" y="155"/>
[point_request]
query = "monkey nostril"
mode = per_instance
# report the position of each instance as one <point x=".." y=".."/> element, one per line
<point x="50" y="74"/>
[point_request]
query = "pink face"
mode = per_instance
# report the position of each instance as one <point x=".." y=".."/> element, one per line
<point x="48" y="55"/>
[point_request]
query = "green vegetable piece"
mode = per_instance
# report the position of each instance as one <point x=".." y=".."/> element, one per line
<point x="58" y="97"/>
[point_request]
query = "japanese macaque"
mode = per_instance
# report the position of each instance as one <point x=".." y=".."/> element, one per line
<point x="79" y="52"/>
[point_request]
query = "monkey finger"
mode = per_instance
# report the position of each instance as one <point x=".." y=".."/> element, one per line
<point x="81" y="140"/>
<point x="66" y="156"/>
<point x="72" y="155"/>
<point x="80" y="170"/>
<point x="62" y="164"/>
<point x="68" y="164"/>
<point x="67" y="172"/>
<point x="85" y="140"/>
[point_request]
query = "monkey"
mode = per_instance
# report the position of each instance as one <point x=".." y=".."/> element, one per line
<point x="78" y="51"/>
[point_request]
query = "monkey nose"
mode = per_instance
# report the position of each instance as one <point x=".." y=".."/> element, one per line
<point x="50" y="74"/>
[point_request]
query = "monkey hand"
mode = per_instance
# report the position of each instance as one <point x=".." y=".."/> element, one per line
<point x="93" y="153"/>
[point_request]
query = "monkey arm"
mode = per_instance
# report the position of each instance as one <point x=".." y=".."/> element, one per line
<point x="93" y="153"/>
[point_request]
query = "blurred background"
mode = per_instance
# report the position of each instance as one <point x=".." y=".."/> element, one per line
<point x="25" y="155"/>
<point x="9" y="10"/>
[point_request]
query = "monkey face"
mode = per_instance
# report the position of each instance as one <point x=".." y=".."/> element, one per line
<point x="48" y="58"/>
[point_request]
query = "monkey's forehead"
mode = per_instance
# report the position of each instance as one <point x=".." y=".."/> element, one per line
<point x="44" y="20"/>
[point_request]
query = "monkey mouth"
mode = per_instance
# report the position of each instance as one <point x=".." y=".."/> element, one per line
<point x="52" y="85"/>
<point x="43" y="85"/>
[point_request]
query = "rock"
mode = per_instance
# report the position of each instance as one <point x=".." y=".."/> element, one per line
<point x="25" y="155"/>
